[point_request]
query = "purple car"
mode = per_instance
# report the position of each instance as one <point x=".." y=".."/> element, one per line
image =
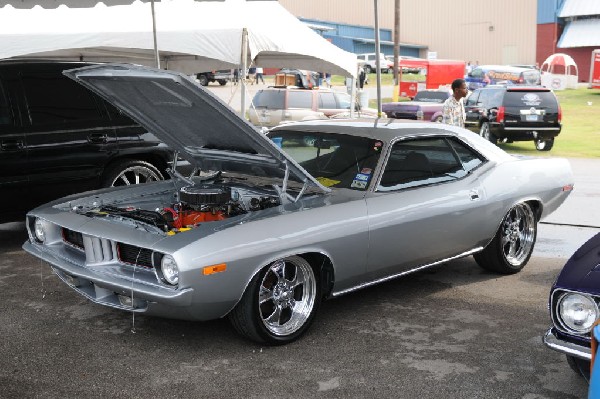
<point x="574" y="306"/>
<point x="427" y="105"/>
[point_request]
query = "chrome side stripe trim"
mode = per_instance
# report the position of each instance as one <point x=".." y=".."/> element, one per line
<point x="381" y="280"/>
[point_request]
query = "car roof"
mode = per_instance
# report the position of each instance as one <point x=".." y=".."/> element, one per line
<point x="385" y="129"/>
<point x="296" y="88"/>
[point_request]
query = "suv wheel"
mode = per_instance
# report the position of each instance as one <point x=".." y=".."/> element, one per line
<point x="544" y="145"/>
<point x="125" y="173"/>
<point x="203" y="80"/>
<point x="368" y="69"/>
<point x="485" y="132"/>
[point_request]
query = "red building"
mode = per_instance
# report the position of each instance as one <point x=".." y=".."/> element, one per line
<point x="571" y="27"/>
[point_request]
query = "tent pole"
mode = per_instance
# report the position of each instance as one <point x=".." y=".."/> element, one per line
<point x="377" y="61"/>
<point x="154" y="35"/>
<point x="242" y="73"/>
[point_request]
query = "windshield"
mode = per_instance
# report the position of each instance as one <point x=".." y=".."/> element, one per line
<point x="431" y="96"/>
<point x="335" y="160"/>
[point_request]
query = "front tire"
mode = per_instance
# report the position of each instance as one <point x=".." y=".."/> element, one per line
<point x="544" y="144"/>
<point x="279" y="303"/>
<point x="510" y="249"/>
<point x="125" y="173"/>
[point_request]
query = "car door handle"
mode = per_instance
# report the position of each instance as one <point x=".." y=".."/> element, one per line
<point x="12" y="145"/>
<point x="98" y="138"/>
<point x="474" y="195"/>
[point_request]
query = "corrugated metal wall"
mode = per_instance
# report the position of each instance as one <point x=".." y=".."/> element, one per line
<point x="491" y="32"/>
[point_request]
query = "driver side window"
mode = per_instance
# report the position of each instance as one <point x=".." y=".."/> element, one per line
<point x="421" y="162"/>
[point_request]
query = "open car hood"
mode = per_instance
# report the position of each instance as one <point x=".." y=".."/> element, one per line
<point x="191" y="120"/>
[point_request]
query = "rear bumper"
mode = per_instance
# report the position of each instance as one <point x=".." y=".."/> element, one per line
<point x="568" y="348"/>
<point x="524" y="133"/>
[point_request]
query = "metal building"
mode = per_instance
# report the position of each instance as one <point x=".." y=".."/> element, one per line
<point x="491" y="32"/>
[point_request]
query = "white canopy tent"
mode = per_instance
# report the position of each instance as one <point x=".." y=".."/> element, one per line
<point x="191" y="36"/>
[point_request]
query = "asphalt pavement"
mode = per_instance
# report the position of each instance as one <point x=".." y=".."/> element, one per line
<point x="454" y="331"/>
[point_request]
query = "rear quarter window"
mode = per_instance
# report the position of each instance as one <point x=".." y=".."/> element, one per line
<point x="271" y="99"/>
<point x="327" y="100"/>
<point x="431" y="96"/>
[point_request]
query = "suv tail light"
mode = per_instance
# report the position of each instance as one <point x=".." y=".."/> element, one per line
<point x="521" y="80"/>
<point x="559" y="114"/>
<point x="500" y="115"/>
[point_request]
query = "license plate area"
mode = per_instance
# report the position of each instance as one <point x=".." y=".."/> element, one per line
<point x="531" y="118"/>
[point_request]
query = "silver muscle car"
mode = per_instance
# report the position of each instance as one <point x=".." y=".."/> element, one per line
<point x="269" y="226"/>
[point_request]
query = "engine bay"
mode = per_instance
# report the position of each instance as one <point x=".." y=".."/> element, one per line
<point x="192" y="205"/>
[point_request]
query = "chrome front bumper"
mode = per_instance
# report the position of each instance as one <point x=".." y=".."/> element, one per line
<point x="568" y="348"/>
<point x="106" y="289"/>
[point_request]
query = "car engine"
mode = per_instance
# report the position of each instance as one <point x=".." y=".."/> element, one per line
<point x="193" y="205"/>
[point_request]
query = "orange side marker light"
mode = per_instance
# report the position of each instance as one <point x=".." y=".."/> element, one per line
<point x="221" y="267"/>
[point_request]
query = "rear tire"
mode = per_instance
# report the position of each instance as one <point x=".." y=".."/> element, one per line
<point x="279" y="303"/>
<point x="544" y="144"/>
<point x="484" y="131"/>
<point x="203" y="80"/>
<point x="222" y="82"/>
<point x="510" y="249"/>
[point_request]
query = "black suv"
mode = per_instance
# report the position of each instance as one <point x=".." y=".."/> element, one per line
<point x="58" y="138"/>
<point x="514" y="113"/>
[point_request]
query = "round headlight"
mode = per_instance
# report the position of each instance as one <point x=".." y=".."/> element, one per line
<point x="169" y="269"/>
<point x="38" y="230"/>
<point x="577" y="312"/>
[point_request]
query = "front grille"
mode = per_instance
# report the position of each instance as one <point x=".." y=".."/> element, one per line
<point x="134" y="255"/>
<point x="98" y="250"/>
<point x="72" y="237"/>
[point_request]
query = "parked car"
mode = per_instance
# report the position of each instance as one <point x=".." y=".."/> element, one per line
<point x="221" y="77"/>
<point x="426" y="105"/>
<point x="573" y="305"/>
<point x="369" y="61"/>
<point x="262" y="235"/>
<point x="57" y="138"/>
<point x="274" y="105"/>
<point x="484" y="75"/>
<point x="515" y="113"/>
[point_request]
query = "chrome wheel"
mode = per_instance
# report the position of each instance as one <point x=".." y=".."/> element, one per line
<point x="287" y="296"/>
<point x="485" y="131"/>
<point x="518" y="234"/>
<point x="512" y="245"/>
<point x="135" y="175"/>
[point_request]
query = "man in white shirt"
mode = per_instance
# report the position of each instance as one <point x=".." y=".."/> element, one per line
<point x="453" y="112"/>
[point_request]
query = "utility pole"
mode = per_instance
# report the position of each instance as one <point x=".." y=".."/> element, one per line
<point x="396" y="49"/>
